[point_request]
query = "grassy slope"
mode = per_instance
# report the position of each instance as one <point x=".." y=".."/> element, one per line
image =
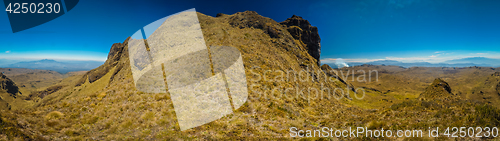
<point x="111" y="108"/>
<point x="472" y="105"/>
<point x="397" y="84"/>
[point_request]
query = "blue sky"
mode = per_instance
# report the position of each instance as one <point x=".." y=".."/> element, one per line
<point x="355" y="30"/>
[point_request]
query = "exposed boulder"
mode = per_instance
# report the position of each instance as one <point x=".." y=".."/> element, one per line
<point x="302" y="30"/>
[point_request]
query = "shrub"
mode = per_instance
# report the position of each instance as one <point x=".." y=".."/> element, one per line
<point x="375" y="125"/>
<point x="91" y="120"/>
<point x="486" y="115"/>
<point x="54" y="115"/>
<point x="148" y="116"/>
<point x="101" y="96"/>
<point x="159" y="97"/>
<point x="52" y="123"/>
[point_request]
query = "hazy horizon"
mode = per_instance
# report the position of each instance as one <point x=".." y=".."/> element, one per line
<point x="407" y="31"/>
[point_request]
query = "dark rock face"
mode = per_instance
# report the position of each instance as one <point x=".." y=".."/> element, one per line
<point x="8" y="85"/>
<point x="440" y="83"/>
<point x="302" y="30"/>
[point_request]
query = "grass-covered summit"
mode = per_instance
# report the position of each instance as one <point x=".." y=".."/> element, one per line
<point x="438" y="89"/>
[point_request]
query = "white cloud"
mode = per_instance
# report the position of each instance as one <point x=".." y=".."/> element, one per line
<point x="361" y="60"/>
<point x="439" y="57"/>
<point x="8" y="51"/>
<point x="414" y="59"/>
<point x="434" y="56"/>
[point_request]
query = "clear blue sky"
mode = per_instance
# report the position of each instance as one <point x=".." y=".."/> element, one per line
<point x="356" y="30"/>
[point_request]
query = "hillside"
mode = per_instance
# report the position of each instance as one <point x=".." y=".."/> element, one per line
<point x="397" y="83"/>
<point x="105" y="98"/>
<point x="286" y="88"/>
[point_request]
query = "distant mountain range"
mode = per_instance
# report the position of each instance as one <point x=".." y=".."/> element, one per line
<point x="59" y="66"/>
<point x="5" y="62"/>
<point x="464" y="62"/>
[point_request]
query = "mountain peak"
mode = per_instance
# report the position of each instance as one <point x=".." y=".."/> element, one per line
<point x="47" y="60"/>
<point x="117" y="57"/>
<point x="438" y="89"/>
<point x="303" y="31"/>
<point x="479" y="61"/>
<point x="388" y="61"/>
<point x="295" y="16"/>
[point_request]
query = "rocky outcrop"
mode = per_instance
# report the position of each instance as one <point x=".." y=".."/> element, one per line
<point x="8" y="85"/>
<point x="438" y="89"/>
<point x="496" y="74"/>
<point x="298" y="28"/>
<point x="303" y="31"/>
<point x="116" y="54"/>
